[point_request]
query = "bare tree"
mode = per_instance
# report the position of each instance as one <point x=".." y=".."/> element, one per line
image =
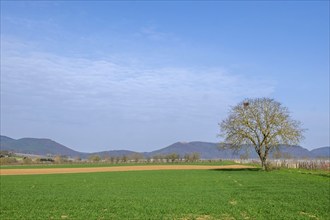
<point x="263" y="123"/>
<point x="94" y="158"/>
<point x="192" y="157"/>
<point x="136" y="157"/>
<point x="195" y="156"/>
<point x="172" y="157"/>
<point x="59" y="159"/>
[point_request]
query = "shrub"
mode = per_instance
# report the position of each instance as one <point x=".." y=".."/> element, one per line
<point x="7" y="160"/>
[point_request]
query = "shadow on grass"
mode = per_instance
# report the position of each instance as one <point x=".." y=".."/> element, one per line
<point x="240" y="169"/>
<point x="316" y="174"/>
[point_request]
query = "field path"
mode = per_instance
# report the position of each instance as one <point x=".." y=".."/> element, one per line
<point x="117" y="169"/>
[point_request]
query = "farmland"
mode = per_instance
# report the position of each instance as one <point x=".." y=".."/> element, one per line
<point x="167" y="194"/>
<point x="106" y="164"/>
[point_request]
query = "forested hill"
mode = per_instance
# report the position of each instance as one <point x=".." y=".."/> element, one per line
<point x="206" y="150"/>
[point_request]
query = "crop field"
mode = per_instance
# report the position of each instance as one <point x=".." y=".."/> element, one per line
<point x="84" y="165"/>
<point x="167" y="194"/>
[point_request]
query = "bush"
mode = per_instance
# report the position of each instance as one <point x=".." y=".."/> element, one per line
<point x="27" y="160"/>
<point x="7" y="160"/>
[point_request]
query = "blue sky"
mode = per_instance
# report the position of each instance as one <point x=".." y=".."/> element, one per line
<point x="142" y="75"/>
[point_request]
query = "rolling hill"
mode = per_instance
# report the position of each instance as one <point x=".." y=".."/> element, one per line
<point x="41" y="146"/>
<point x="211" y="151"/>
<point x="36" y="146"/>
<point x="322" y="152"/>
<point x="206" y="150"/>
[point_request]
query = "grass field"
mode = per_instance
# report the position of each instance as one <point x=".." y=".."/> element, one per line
<point x="183" y="194"/>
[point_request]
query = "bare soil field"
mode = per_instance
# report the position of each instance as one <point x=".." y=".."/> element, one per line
<point x="117" y="169"/>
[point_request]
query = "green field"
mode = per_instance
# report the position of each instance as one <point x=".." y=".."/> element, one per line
<point x="185" y="194"/>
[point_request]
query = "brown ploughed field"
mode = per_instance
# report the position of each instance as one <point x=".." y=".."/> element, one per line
<point x="117" y="169"/>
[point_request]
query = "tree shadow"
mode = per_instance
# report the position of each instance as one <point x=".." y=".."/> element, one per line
<point x="233" y="169"/>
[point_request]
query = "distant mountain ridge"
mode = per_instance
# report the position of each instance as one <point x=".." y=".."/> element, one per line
<point x="206" y="150"/>
<point x="211" y="151"/>
<point x="321" y="151"/>
<point x="38" y="146"/>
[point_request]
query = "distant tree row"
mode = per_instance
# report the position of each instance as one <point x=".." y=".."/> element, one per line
<point x="10" y="158"/>
<point x="137" y="157"/>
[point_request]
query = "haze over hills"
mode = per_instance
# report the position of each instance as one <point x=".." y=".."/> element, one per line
<point x="321" y="151"/>
<point x="205" y="149"/>
<point x="212" y="151"/>
<point x="36" y="146"/>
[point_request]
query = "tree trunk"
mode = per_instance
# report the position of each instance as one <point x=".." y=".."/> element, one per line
<point x="263" y="160"/>
<point x="263" y="163"/>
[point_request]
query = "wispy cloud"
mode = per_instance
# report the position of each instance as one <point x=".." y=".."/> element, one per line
<point x="74" y="83"/>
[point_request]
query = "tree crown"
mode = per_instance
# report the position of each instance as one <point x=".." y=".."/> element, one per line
<point x="261" y="122"/>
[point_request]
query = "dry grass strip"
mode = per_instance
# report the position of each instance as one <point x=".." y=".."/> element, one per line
<point x="117" y="169"/>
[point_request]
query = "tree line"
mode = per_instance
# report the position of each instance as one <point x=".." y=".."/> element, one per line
<point x="11" y="158"/>
<point x="138" y="157"/>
